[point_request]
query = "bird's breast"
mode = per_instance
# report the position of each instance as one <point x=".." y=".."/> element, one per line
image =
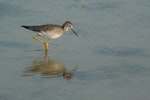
<point x="51" y="34"/>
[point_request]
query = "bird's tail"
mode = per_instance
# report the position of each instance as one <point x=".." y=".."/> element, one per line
<point x="33" y="28"/>
<point x="27" y="27"/>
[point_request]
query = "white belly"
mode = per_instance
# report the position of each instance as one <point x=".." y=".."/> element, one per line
<point x="50" y="34"/>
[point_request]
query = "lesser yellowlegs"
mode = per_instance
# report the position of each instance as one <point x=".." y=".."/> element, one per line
<point x="50" y="31"/>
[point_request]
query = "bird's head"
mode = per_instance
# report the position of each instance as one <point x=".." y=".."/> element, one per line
<point x="69" y="26"/>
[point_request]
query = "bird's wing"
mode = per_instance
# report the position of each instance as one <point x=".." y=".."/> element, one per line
<point x="47" y="27"/>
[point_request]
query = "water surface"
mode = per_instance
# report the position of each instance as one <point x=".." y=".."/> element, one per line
<point x="111" y="55"/>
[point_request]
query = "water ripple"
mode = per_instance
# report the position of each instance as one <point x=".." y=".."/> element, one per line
<point x="122" y="52"/>
<point x="13" y="44"/>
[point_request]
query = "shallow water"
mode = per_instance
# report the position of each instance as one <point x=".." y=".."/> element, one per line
<point x="111" y="55"/>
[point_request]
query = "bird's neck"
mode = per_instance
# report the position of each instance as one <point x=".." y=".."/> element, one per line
<point x="65" y="28"/>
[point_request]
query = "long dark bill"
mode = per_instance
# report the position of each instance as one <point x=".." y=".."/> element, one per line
<point x="74" y="32"/>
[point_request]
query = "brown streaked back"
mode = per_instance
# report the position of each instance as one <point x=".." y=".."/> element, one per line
<point x="47" y="27"/>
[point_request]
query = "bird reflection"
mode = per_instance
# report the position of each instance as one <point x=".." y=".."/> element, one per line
<point x="48" y="67"/>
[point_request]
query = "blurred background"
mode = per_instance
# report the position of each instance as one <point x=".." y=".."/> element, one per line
<point x="111" y="55"/>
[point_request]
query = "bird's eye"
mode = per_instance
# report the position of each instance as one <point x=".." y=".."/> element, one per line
<point x="70" y="26"/>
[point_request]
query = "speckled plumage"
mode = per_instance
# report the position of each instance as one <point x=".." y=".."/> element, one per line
<point x="50" y="31"/>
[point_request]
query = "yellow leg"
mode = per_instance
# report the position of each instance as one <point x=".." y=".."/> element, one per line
<point x="46" y="55"/>
<point x="46" y="46"/>
<point x="35" y="37"/>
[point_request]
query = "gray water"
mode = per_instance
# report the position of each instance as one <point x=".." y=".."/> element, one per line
<point x="111" y="55"/>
